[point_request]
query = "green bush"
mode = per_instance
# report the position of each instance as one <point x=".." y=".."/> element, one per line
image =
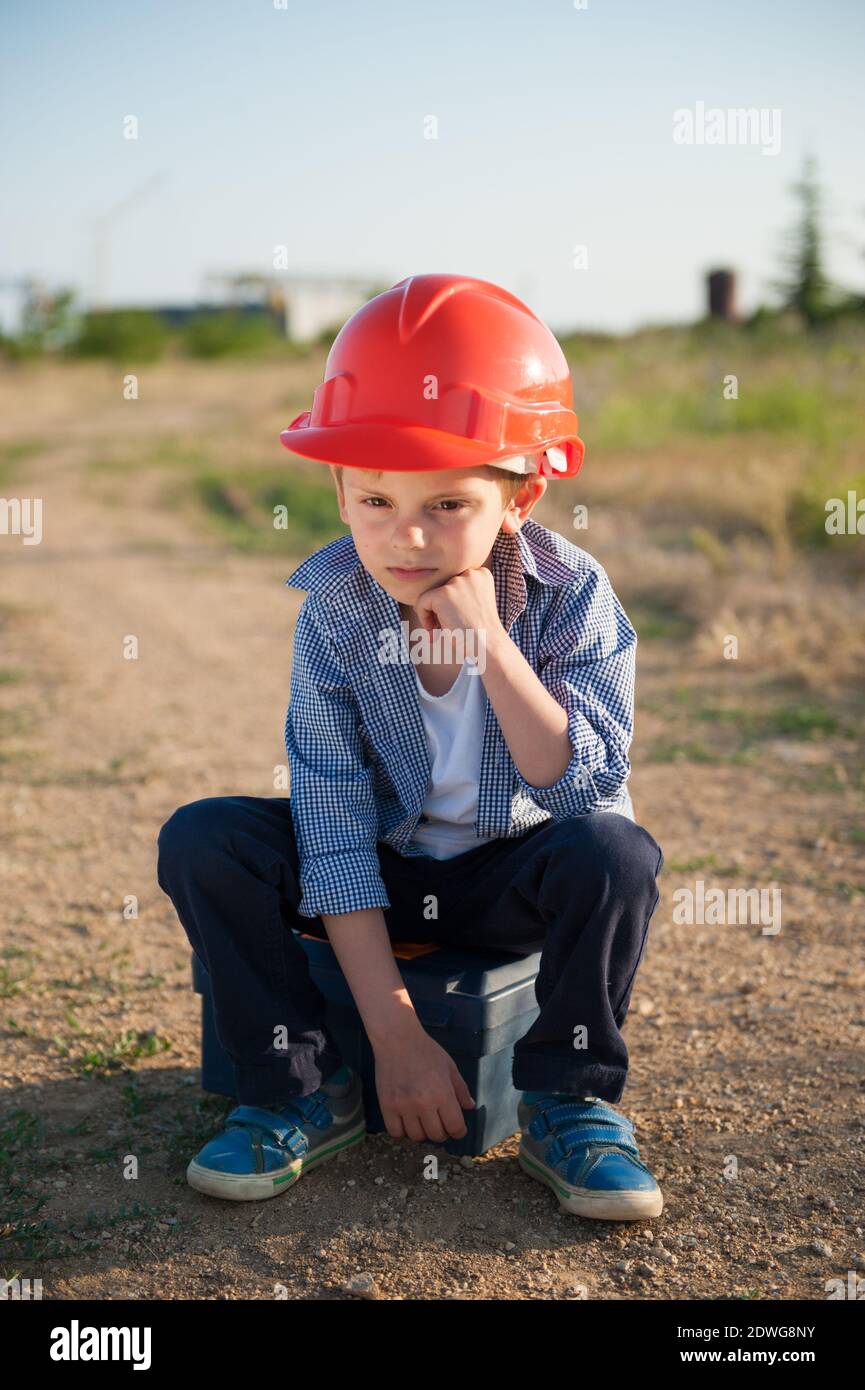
<point x="124" y="335"/>
<point x="229" y="334"/>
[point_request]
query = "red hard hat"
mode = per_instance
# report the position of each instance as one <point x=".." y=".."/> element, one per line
<point x="441" y="371"/>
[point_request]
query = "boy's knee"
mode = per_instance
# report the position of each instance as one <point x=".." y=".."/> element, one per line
<point x="191" y="830"/>
<point x="618" y="847"/>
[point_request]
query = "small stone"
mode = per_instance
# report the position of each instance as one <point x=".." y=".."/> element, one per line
<point x="645" y="1271"/>
<point x="362" y="1286"/>
<point x="819" y="1247"/>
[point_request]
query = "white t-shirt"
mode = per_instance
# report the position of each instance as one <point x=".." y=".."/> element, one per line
<point x="454" y="724"/>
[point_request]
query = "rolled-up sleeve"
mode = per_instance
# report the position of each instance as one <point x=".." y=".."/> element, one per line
<point x="586" y="660"/>
<point x="333" y="807"/>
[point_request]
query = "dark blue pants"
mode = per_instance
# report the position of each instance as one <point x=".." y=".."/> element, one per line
<point x="582" y="891"/>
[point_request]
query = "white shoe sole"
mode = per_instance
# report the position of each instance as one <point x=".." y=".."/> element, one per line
<point x="582" y="1201"/>
<point x="257" y="1187"/>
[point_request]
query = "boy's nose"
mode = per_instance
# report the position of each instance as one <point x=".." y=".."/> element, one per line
<point x="408" y="537"/>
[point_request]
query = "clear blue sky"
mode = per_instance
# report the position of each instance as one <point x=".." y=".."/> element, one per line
<point x="304" y="126"/>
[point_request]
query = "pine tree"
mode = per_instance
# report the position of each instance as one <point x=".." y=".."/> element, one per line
<point x="806" y="287"/>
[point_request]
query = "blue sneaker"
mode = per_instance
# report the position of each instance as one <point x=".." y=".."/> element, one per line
<point x="585" y="1151"/>
<point x="262" y="1151"/>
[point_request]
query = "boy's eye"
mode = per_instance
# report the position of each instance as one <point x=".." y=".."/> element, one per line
<point x="448" y="502"/>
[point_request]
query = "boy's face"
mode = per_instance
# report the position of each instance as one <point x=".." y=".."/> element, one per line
<point x="415" y="531"/>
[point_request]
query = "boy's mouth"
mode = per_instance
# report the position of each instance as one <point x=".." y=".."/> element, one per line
<point x="405" y="572"/>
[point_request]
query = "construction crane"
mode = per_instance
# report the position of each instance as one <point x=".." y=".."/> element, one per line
<point x="103" y="228"/>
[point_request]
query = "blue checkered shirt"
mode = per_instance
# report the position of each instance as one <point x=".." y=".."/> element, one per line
<point x="354" y="733"/>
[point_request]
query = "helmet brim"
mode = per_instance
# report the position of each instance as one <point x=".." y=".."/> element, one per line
<point x="408" y="449"/>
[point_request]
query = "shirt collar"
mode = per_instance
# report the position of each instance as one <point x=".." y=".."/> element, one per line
<point x="335" y="571"/>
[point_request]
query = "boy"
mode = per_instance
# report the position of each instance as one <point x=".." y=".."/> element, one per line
<point x="488" y="775"/>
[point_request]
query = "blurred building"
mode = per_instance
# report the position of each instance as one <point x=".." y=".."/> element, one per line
<point x="306" y="306"/>
<point x="721" y="295"/>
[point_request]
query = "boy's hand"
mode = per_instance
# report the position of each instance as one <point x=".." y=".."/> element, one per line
<point x="467" y="601"/>
<point x="420" y="1090"/>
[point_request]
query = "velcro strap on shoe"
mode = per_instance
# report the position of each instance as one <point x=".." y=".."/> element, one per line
<point x="582" y="1136"/>
<point x="312" y="1109"/>
<point x="283" y="1131"/>
<point x="550" y="1116"/>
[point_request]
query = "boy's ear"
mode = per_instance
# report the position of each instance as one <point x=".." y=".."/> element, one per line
<point x="521" y="503"/>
